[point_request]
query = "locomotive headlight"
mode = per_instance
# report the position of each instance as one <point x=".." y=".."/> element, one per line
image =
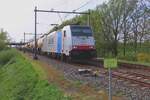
<point x="92" y="47"/>
<point x="74" y="47"/>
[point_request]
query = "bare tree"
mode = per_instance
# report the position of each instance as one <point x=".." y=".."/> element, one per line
<point x="144" y="27"/>
<point x="128" y="8"/>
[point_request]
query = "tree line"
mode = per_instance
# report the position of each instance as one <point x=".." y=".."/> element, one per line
<point x="3" y="39"/>
<point x="117" y="22"/>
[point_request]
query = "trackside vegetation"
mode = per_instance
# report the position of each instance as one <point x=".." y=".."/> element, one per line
<point x="20" y="81"/>
<point x="121" y="29"/>
<point x="3" y="39"/>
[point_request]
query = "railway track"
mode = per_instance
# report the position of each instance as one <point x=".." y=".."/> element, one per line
<point x="124" y="79"/>
<point x="135" y="73"/>
<point x="139" y="79"/>
<point x="133" y="77"/>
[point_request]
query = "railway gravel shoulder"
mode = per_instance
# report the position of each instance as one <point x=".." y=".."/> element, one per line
<point x="120" y="86"/>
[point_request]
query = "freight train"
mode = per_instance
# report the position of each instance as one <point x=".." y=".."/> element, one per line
<point x="71" y="42"/>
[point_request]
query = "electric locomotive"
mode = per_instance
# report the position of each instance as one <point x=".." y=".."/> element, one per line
<point x="71" y="42"/>
<point x="78" y="42"/>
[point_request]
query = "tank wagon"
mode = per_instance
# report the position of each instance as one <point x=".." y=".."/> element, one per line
<point x="71" y="42"/>
<point x="40" y="44"/>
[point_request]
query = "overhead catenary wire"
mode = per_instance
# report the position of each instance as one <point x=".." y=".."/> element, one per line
<point x="62" y="19"/>
<point x="85" y="4"/>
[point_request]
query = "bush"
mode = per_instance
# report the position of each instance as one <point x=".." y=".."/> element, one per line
<point x="2" y="45"/>
<point x="6" y="56"/>
<point x="130" y="56"/>
<point x="143" y="57"/>
<point x="3" y="40"/>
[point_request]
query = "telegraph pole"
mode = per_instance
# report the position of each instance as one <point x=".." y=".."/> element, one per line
<point x="35" y="47"/>
<point x="89" y="21"/>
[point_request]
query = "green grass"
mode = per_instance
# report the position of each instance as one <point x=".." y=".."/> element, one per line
<point x="130" y="54"/>
<point x="134" y="62"/>
<point x="20" y="81"/>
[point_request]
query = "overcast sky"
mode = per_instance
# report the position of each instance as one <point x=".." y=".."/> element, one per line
<point x="17" y="16"/>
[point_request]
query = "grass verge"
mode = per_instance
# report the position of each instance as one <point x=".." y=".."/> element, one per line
<point x="20" y="81"/>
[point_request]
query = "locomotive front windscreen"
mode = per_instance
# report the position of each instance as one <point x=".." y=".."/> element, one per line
<point x="81" y="31"/>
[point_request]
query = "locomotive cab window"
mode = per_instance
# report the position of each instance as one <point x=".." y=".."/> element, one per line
<point x="81" y="31"/>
